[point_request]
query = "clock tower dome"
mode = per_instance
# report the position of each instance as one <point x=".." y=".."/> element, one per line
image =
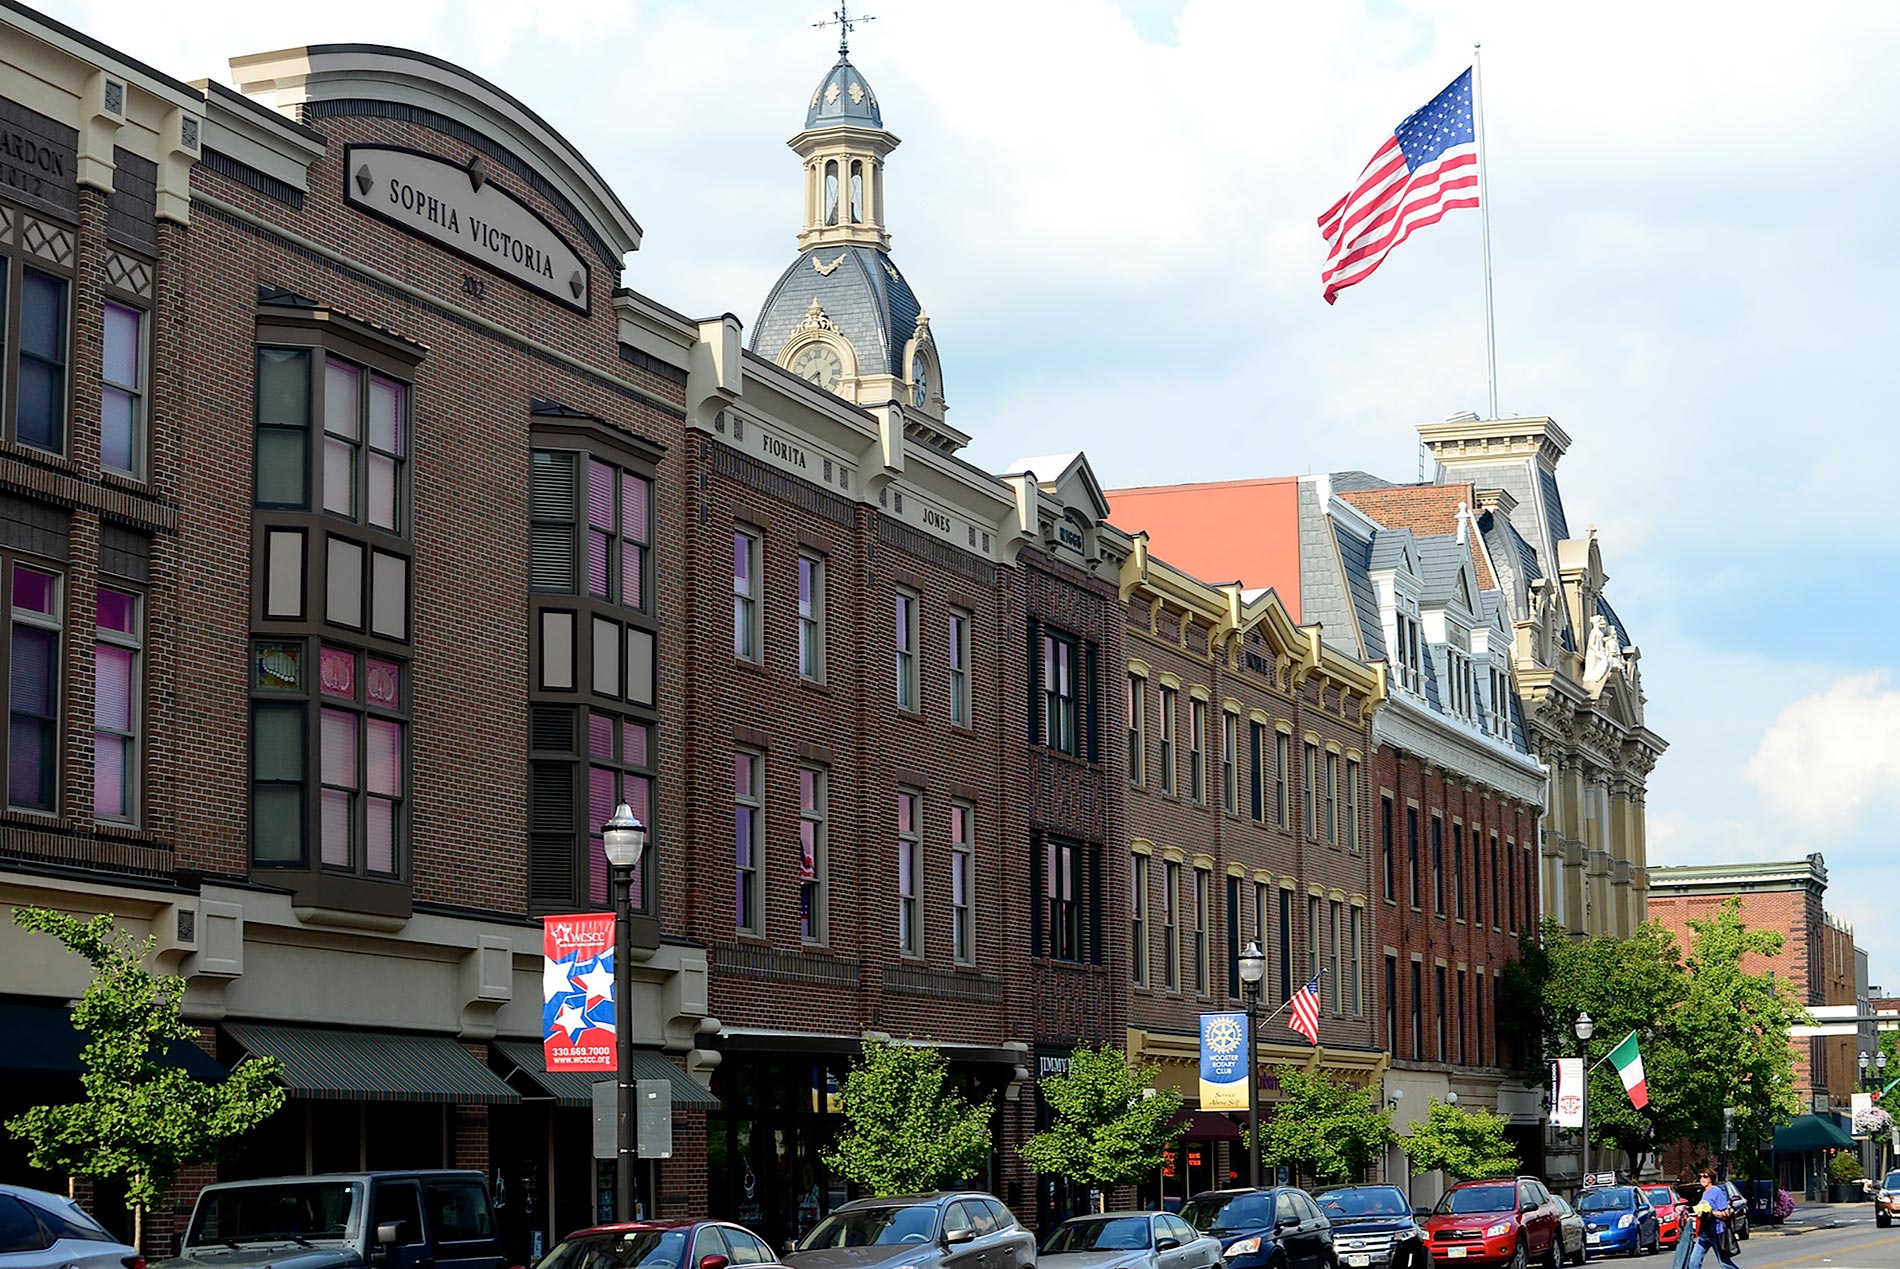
<point x="843" y="314"/>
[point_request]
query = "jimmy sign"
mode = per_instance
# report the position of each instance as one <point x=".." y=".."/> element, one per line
<point x="577" y="992"/>
<point x="1225" y="1061"/>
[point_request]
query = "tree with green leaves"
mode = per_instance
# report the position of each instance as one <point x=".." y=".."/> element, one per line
<point x="1335" y="1130"/>
<point x="142" y="1119"/>
<point x="1735" y="1024"/>
<point x="1465" y="1144"/>
<point x="1112" y="1126"/>
<point x="906" y="1130"/>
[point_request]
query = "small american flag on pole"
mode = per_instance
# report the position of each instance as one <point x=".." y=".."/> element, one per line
<point x="1428" y="166"/>
<point x="1305" y="1012"/>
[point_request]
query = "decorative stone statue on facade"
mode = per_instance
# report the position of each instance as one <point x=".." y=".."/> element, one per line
<point x="1602" y="653"/>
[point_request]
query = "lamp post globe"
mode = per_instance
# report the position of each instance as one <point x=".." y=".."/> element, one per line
<point x="1585" y="1028"/>
<point x="1865" y="1062"/>
<point x="623" y="840"/>
<point x="1253" y="969"/>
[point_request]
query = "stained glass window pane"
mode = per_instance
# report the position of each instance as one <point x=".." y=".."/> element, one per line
<point x="383" y="683"/>
<point x="338" y="670"/>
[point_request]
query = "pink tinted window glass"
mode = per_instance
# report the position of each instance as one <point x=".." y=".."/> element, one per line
<point x="633" y="745"/>
<point x="382" y="684"/>
<point x="379" y="847"/>
<point x="33" y="590"/>
<point x="600" y="808"/>
<point x="385" y="415"/>
<point x="339" y="673"/>
<point x="600" y="525"/>
<point x="112" y="688"/>
<point x="633" y="529"/>
<point x="600" y="738"/>
<point x="115" y="611"/>
<point x="637" y="792"/>
<point x="109" y="776"/>
<point x="384" y="758"/>
<point x="338" y="748"/>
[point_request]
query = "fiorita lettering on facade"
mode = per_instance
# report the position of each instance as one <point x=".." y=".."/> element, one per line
<point x="504" y="244"/>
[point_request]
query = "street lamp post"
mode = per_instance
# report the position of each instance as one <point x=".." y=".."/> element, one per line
<point x="1253" y="968"/>
<point x="624" y="841"/>
<point x="1585" y="1029"/>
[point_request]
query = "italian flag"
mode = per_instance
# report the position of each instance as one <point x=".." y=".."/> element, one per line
<point x="1628" y="1061"/>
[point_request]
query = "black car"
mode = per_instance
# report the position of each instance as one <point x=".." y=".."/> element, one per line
<point x="1373" y="1226"/>
<point x="1274" y="1228"/>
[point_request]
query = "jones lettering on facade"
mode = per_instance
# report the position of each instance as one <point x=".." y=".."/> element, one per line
<point x="456" y="206"/>
<point x="936" y="519"/>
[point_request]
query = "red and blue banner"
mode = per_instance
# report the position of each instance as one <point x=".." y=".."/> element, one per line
<point x="578" y="1001"/>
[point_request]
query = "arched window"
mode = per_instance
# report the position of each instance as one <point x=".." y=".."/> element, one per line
<point x="857" y="192"/>
<point x="831" y="192"/>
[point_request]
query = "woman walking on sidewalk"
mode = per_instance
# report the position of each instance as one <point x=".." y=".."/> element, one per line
<point x="1712" y="1231"/>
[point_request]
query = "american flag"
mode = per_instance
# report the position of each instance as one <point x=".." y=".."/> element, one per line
<point x="1428" y="166"/>
<point x="1305" y="1012"/>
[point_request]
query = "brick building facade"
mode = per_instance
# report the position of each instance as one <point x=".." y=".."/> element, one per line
<point x="1249" y="821"/>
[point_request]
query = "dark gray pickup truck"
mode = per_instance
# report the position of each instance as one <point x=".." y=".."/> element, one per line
<point x="353" y="1220"/>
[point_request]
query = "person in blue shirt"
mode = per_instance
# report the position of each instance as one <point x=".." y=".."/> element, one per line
<point x="1711" y="1223"/>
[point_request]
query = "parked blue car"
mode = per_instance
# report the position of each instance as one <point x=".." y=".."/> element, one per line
<point x="1619" y="1218"/>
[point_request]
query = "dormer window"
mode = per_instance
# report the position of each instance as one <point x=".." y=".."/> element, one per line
<point x="1410" y="658"/>
<point x="1500" y="703"/>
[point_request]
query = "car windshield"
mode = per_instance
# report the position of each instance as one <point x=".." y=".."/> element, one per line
<point x="280" y="1212"/>
<point x="1218" y="1213"/>
<point x="1478" y="1198"/>
<point x="1114" y="1233"/>
<point x="1892" y="1182"/>
<point x="1364" y="1200"/>
<point x="629" y="1249"/>
<point x="873" y="1227"/>
<point x="1660" y="1195"/>
<point x="1616" y="1198"/>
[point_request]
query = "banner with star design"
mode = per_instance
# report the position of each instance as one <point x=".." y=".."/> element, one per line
<point x="577" y="992"/>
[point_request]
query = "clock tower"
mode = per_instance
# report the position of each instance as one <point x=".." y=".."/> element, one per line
<point x="843" y="314"/>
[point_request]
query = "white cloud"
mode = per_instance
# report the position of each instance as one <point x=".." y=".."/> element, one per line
<point x="1830" y="759"/>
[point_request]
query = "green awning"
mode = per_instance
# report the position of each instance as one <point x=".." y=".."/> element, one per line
<point x="372" y="1066"/>
<point x="43" y="1043"/>
<point x="1812" y="1132"/>
<point x="576" y="1088"/>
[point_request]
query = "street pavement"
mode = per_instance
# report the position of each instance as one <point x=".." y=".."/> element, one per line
<point x="1822" y="1236"/>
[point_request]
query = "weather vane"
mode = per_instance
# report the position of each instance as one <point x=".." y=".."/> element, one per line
<point x="842" y="19"/>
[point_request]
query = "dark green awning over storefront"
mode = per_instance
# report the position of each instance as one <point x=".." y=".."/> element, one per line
<point x="42" y="1042"/>
<point x="576" y="1088"/>
<point x="1811" y="1132"/>
<point x="372" y="1066"/>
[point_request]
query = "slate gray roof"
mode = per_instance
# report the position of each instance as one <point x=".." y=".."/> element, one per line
<point x="833" y="101"/>
<point x="1616" y="623"/>
<point x="1350" y="480"/>
<point x="1513" y="561"/>
<point x="1325" y="596"/>
<point x="1440" y="559"/>
<point x="865" y="296"/>
<point x="1553" y="505"/>
<point x="1388" y="548"/>
<point x="1355" y="553"/>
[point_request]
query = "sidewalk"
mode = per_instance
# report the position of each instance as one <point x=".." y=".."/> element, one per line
<point x="1809" y="1217"/>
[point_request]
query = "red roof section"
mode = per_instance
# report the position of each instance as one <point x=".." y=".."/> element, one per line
<point x="1427" y="510"/>
<point x="1223" y="531"/>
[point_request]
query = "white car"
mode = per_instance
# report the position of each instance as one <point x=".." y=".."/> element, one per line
<point x="49" y="1231"/>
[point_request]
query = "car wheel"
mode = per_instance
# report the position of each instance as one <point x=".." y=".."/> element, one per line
<point x="1881" y="1221"/>
<point x="1520" y="1256"/>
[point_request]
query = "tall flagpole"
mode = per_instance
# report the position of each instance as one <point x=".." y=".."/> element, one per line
<point x="1484" y="213"/>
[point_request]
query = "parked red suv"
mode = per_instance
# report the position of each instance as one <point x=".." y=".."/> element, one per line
<point x="1510" y="1221"/>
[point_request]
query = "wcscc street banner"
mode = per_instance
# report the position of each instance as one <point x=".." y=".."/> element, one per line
<point x="577" y="992"/>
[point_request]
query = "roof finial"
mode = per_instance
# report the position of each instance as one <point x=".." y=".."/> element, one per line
<point x="842" y="19"/>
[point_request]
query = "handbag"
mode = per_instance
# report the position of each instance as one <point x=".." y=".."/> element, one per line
<point x="1727" y="1243"/>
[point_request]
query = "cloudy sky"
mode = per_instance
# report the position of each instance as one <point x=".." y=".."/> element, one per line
<point x="1108" y="209"/>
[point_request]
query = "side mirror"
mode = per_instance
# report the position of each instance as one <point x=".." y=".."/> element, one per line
<point x="1527" y="1209"/>
<point x="1167" y="1242"/>
<point x="389" y="1232"/>
<point x="713" y="1261"/>
<point x="1420" y="1213"/>
<point x="954" y="1237"/>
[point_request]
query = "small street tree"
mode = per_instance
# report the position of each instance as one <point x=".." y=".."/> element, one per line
<point x="1465" y="1144"/>
<point x="905" y="1129"/>
<point x="1111" y="1125"/>
<point x="141" y="1120"/>
<point x="1335" y="1129"/>
<point x="1735" y="1025"/>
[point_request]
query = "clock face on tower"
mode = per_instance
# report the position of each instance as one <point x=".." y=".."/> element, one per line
<point x="821" y="364"/>
<point x="919" y="380"/>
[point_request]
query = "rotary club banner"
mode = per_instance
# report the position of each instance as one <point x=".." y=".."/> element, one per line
<point x="1566" y="1097"/>
<point x="1226" y="1061"/>
<point x="577" y="992"/>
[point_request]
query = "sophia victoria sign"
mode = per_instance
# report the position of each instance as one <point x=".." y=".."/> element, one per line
<point x="456" y="205"/>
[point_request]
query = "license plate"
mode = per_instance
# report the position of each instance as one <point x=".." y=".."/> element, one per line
<point x="1596" y="1238"/>
<point x="1358" y="1262"/>
<point x="1455" y="1253"/>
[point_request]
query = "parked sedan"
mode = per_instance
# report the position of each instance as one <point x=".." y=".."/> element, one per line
<point x="1277" y="1228"/>
<point x="1128" y="1240"/>
<point x="1573" y="1242"/>
<point x="949" y="1230"/>
<point x="660" y="1245"/>
<point x="1887" y="1199"/>
<point x="1619" y="1218"/>
<point x="47" y="1231"/>
<point x="1670" y="1210"/>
